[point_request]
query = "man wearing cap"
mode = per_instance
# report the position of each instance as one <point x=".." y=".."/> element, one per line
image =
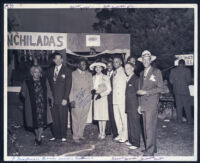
<point x="150" y="85"/>
<point x="60" y="79"/>
<point x="80" y="98"/>
<point x="119" y="88"/>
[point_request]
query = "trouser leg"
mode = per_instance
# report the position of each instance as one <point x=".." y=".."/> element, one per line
<point x="112" y="121"/>
<point x="150" y="128"/>
<point x="83" y="119"/>
<point x="187" y="107"/>
<point x="179" y="108"/>
<point x="56" y="122"/>
<point x="123" y="116"/>
<point x="75" y="123"/>
<point x="118" y="120"/>
<point x="134" y="128"/>
<point x="63" y="113"/>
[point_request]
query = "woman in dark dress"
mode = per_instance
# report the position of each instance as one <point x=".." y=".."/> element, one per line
<point x="36" y="92"/>
<point x="133" y="118"/>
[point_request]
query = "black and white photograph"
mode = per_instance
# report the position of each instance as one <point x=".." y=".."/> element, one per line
<point x="100" y="82"/>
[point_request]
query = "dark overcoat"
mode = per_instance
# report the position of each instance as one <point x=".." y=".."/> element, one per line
<point x="27" y="93"/>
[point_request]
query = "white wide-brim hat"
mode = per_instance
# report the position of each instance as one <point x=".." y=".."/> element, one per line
<point x="97" y="64"/>
<point x="147" y="53"/>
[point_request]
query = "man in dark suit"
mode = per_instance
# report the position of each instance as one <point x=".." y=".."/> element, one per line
<point x="180" y="77"/>
<point x="150" y="85"/>
<point x="111" y="125"/>
<point x="60" y="80"/>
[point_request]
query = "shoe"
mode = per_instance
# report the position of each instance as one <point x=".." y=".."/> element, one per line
<point x="63" y="140"/>
<point x="82" y="138"/>
<point x="77" y="141"/>
<point x="102" y="137"/>
<point x="122" y="141"/>
<point x="147" y="154"/>
<point x="128" y="143"/>
<point x="52" y="139"/>
<point x="133" y="147"/>
<point x="38" y="142"/>
<point x="117" y="138"/>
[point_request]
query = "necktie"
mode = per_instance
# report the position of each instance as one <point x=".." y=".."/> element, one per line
<point x="56" y="73"/>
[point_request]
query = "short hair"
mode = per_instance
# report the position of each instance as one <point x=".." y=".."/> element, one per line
<point x="181" y="62"/>
<point x="109" y="61"/>
<point x="129" y="58"/>
<point x="117" y="57"/>
<point x="82" y="60"/>
<point x="129" y="63"/>
<point x="32" y="69"/>
<point x="56" y="53"/>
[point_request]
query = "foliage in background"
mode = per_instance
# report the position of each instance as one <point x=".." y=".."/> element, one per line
<point x="165" y="32"/>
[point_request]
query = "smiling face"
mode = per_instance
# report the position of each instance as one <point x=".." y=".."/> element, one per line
<point x="109" y="67"/>
<point x="82" y="65"/>
<point x="117" y="63"/>
<point x="132" y="60"/>
<point x="36" y="73"/>
<point x="58" y="60"/>
<point x="146" y="61"/>
<point x="129" y="69"/>
<point x="98" y="69"/>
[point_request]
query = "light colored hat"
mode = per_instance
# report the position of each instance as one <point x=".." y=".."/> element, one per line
<point x="97" y="64"/>
<point x="147" y="53"/>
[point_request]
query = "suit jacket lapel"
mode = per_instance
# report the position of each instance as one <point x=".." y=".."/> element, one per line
<point x="146" y="80"/>
<point x="60" y="72"/>
<point x="141" y="80"/>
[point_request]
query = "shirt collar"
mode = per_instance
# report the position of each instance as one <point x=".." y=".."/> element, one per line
<point x="147" y="70"/>
<point x="129" y="77"/>
<point x="80" y="71"/>
<point x="59" y="67"/>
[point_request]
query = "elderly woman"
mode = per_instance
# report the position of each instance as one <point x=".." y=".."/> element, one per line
<point x="101" y="89"/>
<point x="133" y="118"/>
<point x="36" y="92"/>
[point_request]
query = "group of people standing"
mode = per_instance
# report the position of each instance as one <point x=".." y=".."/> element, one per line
<point x="119" y="100"/>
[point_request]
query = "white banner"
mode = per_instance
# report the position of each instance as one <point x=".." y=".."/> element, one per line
<point x="37" y="41"/>
<point x="92" y="40"/>
<point x="187" y="57"/>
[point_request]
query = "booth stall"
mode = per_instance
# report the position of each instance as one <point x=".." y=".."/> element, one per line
<point x="32" y="48"/>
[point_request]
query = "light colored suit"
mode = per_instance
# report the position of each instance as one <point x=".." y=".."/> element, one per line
<point x="81" y="94"/>
<point x="119" y="88"/>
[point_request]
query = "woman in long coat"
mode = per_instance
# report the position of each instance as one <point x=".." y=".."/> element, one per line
<point x="36" y="92"/>
<point x="133" y="118"/>
<point x="102" y="88"/>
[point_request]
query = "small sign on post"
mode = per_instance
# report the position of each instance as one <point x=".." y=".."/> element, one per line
<point x="187" y="57"/>
<point x="92" y="40"/>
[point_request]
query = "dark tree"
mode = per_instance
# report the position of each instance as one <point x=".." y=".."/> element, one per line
<point x="165" y="32"/>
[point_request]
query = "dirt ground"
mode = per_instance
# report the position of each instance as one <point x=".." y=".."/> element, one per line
<point x="173" y="139"/>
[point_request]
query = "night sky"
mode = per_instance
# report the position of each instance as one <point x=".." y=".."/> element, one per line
<point x="53" y="20"/>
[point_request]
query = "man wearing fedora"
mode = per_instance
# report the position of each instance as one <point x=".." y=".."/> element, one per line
<point x="60" y="79"/>
<point x="150" y="86"/>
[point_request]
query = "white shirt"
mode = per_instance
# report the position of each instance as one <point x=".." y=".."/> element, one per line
<point x="146" y="71"/>
<point x="129" y="77"/>
<point x="109" y="73"/>
<point x="59" y="67"/>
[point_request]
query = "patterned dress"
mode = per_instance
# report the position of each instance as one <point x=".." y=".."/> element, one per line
<point x="39" y="103"/>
